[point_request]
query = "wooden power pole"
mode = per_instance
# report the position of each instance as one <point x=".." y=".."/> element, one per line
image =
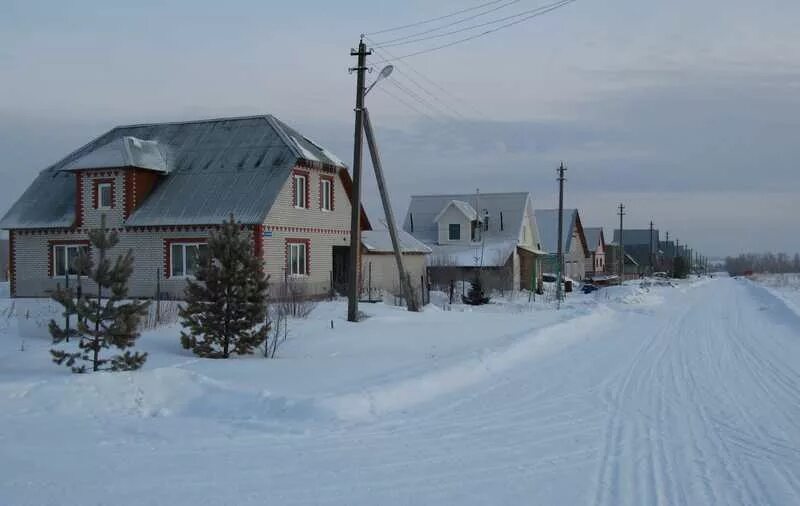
<point x="560" y="248"/>
<point x="621" y="213"/>
<point x="405" y="281"/>
<point x="652" y="263"/>
<point x="355" y="214"/>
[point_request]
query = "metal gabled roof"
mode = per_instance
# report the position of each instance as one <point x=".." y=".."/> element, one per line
<point x="594" y="236"/>
<point x="125" y="151"/>
<point x="547" y="221"/>
<point x="216" y="167"/>
<point x="423" y="210"/>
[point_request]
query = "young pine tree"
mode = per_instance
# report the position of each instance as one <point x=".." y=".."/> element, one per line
<point x="105" y="319"/>
<point x="226" y="303"/>
<point x="475" y="295"/>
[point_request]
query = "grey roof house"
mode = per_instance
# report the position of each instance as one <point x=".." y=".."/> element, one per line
<point x="574" y="244"/>
<point x="493" y="234"/>
<point x="596" y="243"/>
<point x="164" y="186"/>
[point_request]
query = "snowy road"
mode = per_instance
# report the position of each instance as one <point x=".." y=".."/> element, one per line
<point x="693" y="401"/>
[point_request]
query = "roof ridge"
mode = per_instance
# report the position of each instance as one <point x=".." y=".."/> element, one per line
<point x="197" y="121"/>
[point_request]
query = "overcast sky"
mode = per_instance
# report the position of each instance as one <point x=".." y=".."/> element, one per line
<point x="688" y="111"/>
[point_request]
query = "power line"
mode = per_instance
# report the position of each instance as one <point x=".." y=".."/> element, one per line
<point x="433" y="20"/>
<point x="487" y="32"/>
<point x="404" y="41"/>
<point x="400" y="66"/>
<point x="417" y="98"/>
<point x="452" y="23"/>
<point x="405" y="103"/>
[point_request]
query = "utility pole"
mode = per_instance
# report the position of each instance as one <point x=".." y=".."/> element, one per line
<point x="355" y="214"/>
<point x="405" y="281"/>
<point x="651" y="249"/>
<point x="621" y="213"/>
<point x="560" y="250"/>
<point x="667" y="244"/>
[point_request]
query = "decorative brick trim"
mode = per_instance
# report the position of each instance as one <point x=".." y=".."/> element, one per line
<point x="95" y="191"/>
<point x="308" y="230"/>
<point x="168" y="242"/>
<point x="65" y="242"/>
<point x="297" y="240"/>
<point x="331" y="180"/>
<point x="12" y="268"/>
<point x="128" y="193"/>
<point x="306" y="175"/>
<point x="79" y="199"/>
<point x="324" y="167"/>
<point x="258" y="242"/>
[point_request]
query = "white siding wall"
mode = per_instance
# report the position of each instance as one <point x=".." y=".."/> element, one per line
<point x="384" y="271"/>
<point x="91" y="216"/>
<point x="324" y="229"/>
<point x="453" y="215"/>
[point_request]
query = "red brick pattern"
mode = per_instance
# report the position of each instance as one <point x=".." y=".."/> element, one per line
<point x="258" y="242"/>
<point x="128" y="193"/>
<point x="79" y="199"/>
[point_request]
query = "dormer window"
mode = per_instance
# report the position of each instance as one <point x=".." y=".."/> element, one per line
<point x="454" y="232"/>
<point x="104" y="196"/>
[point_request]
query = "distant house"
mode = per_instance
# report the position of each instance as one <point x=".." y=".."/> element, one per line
<point x="642" y="245"/>
<point x="575" y="247"/>
<point x="379" y="268"/>
<point x="164" y="186"/>
<point x="491" y="234"/>
<point x="633" y="269"/>
<point x="3" y="260"/>
<point x="596" y="242"/>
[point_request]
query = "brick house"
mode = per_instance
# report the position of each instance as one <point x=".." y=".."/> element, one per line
<point x="164" y="186"/>
<point x="596" y="261"/>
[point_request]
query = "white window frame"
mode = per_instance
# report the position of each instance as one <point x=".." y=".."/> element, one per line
<point x="184" y="256"/>
<point x="100" y="187"/>
<point x="300" y="191"/>
<point x="297" y="269"/>
<point x="66" y="266"/>
<point x="326" y="194"/>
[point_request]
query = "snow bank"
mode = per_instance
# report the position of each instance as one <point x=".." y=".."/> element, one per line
<point x="427" y="387"/>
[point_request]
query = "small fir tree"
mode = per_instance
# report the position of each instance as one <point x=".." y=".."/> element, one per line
<point x="103" y="321"/>
<point x="226" y="303"/>
<point x="475" y="295"/>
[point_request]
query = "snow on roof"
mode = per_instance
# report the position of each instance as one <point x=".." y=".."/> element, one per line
<point x="379" y="241"/>
<point x="214" y="168"/>
<point x="125" y="151"/>
<point x="493" y="254"/>
<point x="505" y="212"/>
<point x="465" y="209"/>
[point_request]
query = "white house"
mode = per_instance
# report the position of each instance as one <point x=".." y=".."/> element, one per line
<point x="574" y="248"/>
<point x="491" y="234"/>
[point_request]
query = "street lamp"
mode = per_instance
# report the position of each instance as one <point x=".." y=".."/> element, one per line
<point x="385" y="72"/>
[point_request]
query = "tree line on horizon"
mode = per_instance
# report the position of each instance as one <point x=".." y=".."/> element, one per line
<point x="779" y="263"/>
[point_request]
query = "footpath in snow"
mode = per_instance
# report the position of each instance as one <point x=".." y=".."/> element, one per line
<point x="684" y="395"/>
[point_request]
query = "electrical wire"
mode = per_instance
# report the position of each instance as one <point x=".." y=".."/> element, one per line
<point x="433" y="20"/>
<point x="475" y="36"/>
<point x="524" y="14"/>
<point x="452" y="23"/>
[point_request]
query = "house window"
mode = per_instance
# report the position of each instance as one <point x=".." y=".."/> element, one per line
<point x="475" y="231"/>
<point x="105" y="197"/>
<point x="64" y="256"/>
<point x="297" y="261"/>
<point x="454" y="232"/>
<point x="300" y="191"/>
<point x="185" y="258"/>
<point x="326" y="194"/>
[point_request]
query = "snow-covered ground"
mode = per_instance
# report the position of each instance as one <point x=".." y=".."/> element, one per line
<point x="784" y="286"/>
<point x="665" y="395"/>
